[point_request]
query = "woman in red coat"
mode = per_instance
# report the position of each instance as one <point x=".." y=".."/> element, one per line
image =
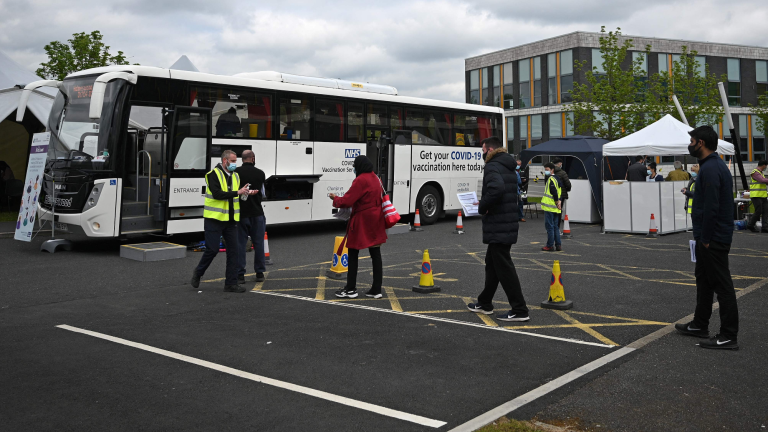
<point x="365" y="228"/>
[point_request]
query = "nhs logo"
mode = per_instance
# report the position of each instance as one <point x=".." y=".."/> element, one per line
<point x="351" y="153"/>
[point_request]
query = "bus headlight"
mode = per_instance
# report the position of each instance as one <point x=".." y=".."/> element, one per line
<point x="96" y="226"/>
<point x="93" y="199"/>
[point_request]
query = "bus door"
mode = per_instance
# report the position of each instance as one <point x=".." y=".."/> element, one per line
<point x="189" y="159"/>
<point x="399" y="170"/>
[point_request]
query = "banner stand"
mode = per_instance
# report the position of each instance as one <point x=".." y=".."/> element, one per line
<point x="53" y="243"/>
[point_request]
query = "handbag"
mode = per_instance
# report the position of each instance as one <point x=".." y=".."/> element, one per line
<point x="391" y="216"/>
<point x="344" y="213"/>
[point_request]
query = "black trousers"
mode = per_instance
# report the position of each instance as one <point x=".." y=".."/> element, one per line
<point x="499" y="268"/>
<point x="713" y="277"/>
<point x="214" y="230"/>
<point x="761" y="210"/>
<point x="378" y="270"/>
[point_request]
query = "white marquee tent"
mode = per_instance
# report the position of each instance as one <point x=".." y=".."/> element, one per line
<point x="666" y="137"/>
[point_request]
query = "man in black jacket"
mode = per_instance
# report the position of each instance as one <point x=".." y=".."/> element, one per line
<point x="498" y="207"/>
<point x="252" y="221"/>
<point x="712" y="218"/>
<point x="637" y="171"/>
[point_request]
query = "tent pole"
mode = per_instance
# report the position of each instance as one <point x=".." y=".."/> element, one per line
<point x="734" y="135"/>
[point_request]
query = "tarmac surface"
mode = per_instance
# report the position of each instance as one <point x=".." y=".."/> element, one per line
<point x="288" y="355"/>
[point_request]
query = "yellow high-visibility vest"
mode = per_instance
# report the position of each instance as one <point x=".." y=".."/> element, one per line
<point x="690" y="200"/>
<point x="547" y="201"/>
<point x="219" y="209"/>
<point x="756" y="189"/>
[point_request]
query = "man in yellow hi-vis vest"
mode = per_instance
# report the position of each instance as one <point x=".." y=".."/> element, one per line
<point x="758" y="193"/>
<point x="551" y="203"/>
<point x="221" y="213"/>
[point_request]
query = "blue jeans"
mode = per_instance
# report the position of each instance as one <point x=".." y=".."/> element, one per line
<point x="520" y="211"/>
<point x="214" y="230"/>
<point x="551" y="220"/>
<point x="254" y="227"/>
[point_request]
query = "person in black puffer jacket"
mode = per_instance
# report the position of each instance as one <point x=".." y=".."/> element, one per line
<point x="498" y="207"/>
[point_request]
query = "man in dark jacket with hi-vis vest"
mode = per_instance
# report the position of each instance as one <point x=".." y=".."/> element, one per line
<point x="220" y="214"/>
<point x="498" y="207"/>
<point x="712" y="218"/>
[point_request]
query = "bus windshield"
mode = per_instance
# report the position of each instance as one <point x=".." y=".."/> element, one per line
<point x="84" y="142"/>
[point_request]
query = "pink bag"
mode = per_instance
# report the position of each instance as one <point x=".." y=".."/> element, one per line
<point x="391" y="216"/>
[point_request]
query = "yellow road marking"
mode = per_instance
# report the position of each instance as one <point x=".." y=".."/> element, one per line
<point x="581" y="326"/>
<point x="393" y="299"/>
<point x="590" y="331"/>
<point x="259" y="285"/>
<point x="320" y="294"/>
<point x="616" y="271"/>
<point x="485" y="318"/>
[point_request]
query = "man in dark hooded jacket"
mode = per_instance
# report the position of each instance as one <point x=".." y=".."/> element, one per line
<point x="498" y="207"/>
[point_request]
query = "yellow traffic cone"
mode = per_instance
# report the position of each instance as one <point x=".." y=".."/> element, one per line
<point x="426" y="283"/>
<point x="339" y="262"/>
<point x="556" y="292"/>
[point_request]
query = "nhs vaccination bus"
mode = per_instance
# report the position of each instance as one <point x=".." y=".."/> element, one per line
<point x="130" y="146"/>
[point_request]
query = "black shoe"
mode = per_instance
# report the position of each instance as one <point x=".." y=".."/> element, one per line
<point x="370" y="293"/>
<point x="343" y="293"/>
<point x="241" y="279"/>
<point x="234" y="289"/>
<point x="259" y="277"/>
<point x="195" y="282"/>
<point x="719" y="342"/>
<point x="511" y="316"/>
<point x="690" y="330"/>
<point x="474" y="307"/>
<point x="752" y="228"/>
<point x="558" y="248"/>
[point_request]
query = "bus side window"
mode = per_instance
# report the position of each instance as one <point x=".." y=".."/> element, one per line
<point x="355" y="123"/>
<point x="329" y="121"/>
<point x="295" y="118"/>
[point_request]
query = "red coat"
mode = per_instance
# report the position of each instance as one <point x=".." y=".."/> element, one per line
<point x="366" y="225"/>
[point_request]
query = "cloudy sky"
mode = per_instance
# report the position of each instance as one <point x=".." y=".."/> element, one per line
<point x="417" y="46"/>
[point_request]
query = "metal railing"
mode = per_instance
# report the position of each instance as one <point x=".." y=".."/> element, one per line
<point x="149" y="179"/>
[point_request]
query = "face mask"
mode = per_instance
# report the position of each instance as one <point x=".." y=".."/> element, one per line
<point x="547" y="173"/>
<point x="693" y="175"/>
<point x="648" y="172"/>
<point x="231" y="167"/>
<point x="692" y="151"/>
<point x="517" y="167"/>
<point x="354" y="171"/>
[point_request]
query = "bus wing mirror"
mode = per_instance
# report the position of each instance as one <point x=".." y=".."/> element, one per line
<point x="100" y="87"/>
<point x="22" y="108"/>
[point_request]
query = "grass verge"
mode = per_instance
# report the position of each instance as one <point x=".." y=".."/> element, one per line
<point x="6" y="216"/>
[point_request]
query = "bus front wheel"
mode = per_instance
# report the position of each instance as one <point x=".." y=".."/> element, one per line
<point x="429" y="204"/>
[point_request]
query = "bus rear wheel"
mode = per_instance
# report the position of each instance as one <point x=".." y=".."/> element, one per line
<point x="429" y="204"/>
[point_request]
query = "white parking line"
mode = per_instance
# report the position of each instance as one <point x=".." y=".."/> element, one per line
<point x="269" y="381"/>
<point x="434" y="318"/>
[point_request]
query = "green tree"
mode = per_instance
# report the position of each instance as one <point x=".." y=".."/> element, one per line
<point x="607" y="104"/>
<point x="84" y="51"/>
<point x="696" y="90"/>
<point x="761" y="112"/>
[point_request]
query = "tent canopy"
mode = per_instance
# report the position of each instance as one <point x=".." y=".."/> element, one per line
<point x="13" y="78"/>
<point x="665" y="137"/>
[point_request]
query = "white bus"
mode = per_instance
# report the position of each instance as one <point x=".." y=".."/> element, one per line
<point x="130" y="146"/>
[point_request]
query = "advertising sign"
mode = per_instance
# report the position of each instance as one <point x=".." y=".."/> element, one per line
<point x="33" y="185"/>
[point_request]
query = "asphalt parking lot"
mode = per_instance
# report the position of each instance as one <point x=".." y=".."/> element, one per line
<point x="93" y="341"/>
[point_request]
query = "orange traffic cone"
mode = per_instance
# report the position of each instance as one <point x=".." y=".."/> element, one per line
<point x="652" y="231"/>
<point x="566" y="229"/>
<point x="459" y="225"/>
<point x="416" y="222"/>
<point x="267" y="260"/>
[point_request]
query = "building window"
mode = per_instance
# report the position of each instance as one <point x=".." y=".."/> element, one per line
<point x="496" y="86"/>
<point x="597" y="61"/>
<point x="524" y="130"/>
<point x="701" y="63"/>
<point x="555" y="125"/>
<point x="566" y="76"/>
<point x="734" y="82"/>
<point x="511" y="134"/>
<point x="551" y="79"/>
<point x="663" y="63"/>
<point x="536" y="81"/>
<point x="761" y="75"/>
<point x="642" y="77"/>
<point x="509" y="98"/>
<point x="569" y="123"/>
<point x="524" y="78"/>
<point x="486" y="94"/>
<point x="474" y="86"/>
<point x="758" y="141"/>
<point x="743" y="137"/>
<point x="536" y="126"/>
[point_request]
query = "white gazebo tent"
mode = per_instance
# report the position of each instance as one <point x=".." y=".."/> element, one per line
<point x="628" y="206"/>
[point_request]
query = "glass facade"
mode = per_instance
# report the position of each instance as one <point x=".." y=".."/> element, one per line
<point x="761" y="76"/>
<point x="486" y="94"/>
<point x="551" y="79"/>
<point x="474" y="86"/>
<point x="555" y="125"/>
<point x="566" y="76"/>
<point x="536" y="81"/>
<point x="663" y="63"/>
<point x="536" y="131"/>
<point x="509" y="98"/>
<point x="497" y="86"/>
<point x="524" y="78"/>
<point x="569" y="123"/>
<point x="734" y="82"/>
<point x="597" y="61"/>
<point x="758" y="141"/>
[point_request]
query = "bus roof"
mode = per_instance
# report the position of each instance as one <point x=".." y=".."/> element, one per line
<point x="247" y="80"/>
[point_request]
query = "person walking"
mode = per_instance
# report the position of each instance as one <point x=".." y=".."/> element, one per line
<point x="552" y="205"/>
<point x="758" y="193"/>
<point x="678" y="174"/>
<point x="712" y="218"/>
<point x="688" y="191"/>
<point x="637" y="171"/>
<point x="520" y="214"/>
<point x="221" y="214"/>
<point x="365" y="228"/>
<point x="252" y="221"/>
<point x="565" y="183"/>
<point x="499" y="215"/>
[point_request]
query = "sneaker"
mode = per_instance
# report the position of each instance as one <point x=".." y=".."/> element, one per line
<point x="548" y="249"/>
<point x="522" y="220"/>
<point x="511" y="316"/>
<point x="259" y="277"/>
<point x="234" y="289"/>
<point x="372" y="294"/>
<point x="691" y="330"/>
<point x="719" y="342"/>
<point x="559" y="248"/>
<point x="195" y="282"/>
<point x="343" y="293"/>
<point x="474" y="307"/>
<point x="752" y="228"/>
<point x="241" y="279"/>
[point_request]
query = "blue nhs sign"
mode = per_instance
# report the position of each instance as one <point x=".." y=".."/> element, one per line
<point x="351" y="153"/>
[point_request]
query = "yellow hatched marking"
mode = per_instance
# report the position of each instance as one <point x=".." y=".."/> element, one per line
<point x="619" y="272"/>
<point x="260" y="285"/>
<point x="485" y="318"/>
<point x="392" y="299"/>
<point x="590" y="331"/>
<point x="320" y="292"/>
